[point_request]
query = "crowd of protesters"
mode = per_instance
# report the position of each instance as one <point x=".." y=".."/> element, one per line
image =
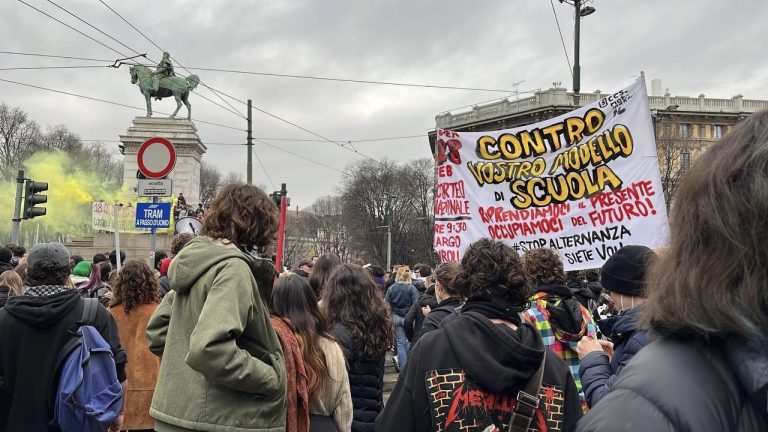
<point x="212" y="337"/>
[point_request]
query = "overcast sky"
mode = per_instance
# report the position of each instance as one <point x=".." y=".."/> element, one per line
<point x="703" y="46"/>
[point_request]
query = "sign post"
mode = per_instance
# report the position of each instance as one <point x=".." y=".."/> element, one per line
<point x="156" y="159"/>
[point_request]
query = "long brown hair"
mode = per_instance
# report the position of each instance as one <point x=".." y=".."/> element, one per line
<point x="136" y="284"/>
<point x="712" y="281"/>
<point x="321" y="271"/>
<point x="293" y="299"/>
<point x="351" y="298"/>
<point x="242" y="214"/>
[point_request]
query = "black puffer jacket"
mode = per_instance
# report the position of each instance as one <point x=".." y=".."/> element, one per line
<point x="687" y="386"/>
<point x="366" y="380"/>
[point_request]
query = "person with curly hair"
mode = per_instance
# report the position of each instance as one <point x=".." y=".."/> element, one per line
<point x="134" y="299"/>
<point x="360" y="321"/>
<point x="471" y="373"/>
<point x="555" y="312"/>
<point x="213" y="332"/>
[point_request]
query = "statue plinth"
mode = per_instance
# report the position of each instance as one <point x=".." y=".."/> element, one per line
<point x="189" y="152"/>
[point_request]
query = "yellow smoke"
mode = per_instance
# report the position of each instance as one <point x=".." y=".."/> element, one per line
<point x="72" y="187"/>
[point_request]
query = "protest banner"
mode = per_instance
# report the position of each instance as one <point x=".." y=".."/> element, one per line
<point x="585" y="183"/>
<point x="104" y="219"/>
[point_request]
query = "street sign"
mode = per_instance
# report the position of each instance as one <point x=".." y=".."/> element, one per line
<point x="153" y="215"/>
<point x="155" y="188"/>
<point x="156" y="157"/>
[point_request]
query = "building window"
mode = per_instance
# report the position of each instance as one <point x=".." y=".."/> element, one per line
<point x="717" y="131"/>
<point x="685" y="160"/>
<point x="684" y="130"/>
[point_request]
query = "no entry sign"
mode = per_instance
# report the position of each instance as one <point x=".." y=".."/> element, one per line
<point x="156" y="157"/>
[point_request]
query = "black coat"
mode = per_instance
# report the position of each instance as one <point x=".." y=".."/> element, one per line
<point x="33" y="331"/>
<point x="438" y="314"/>
<point x="414" y="319"/>
<point x="366" y="380"/>
<point x="469" y="373"/>
<point x="598" y="375"/>
<point x="687" y="386"/>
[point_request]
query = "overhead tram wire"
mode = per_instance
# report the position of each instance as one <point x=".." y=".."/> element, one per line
<point x="312" y="161"/>
<point x="92" y="26"/>
<point x="109" y="102"/>
<point x="52" y="67"/>
<point x="162" y="50"/>
<point x="233" y="110"/>
<point x="72" y="28"/>
<point x="567" y="59"/>
<point x="511" y="92"/>
<point x="300" y="156"/>
<point x="302" y="128"/>
<point x="357" y="81"/>
<point x="56" y="56"/>
<point x="258" y="159"/>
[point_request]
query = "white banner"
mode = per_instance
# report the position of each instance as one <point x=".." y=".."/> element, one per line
<point x="103" y="216"/>
<point x="586" y="183"/>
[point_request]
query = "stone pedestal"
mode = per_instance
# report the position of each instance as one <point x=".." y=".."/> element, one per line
<point x="189" y="152"/>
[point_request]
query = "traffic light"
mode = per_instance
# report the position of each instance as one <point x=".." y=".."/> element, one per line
<point x="276" y="198"/>
<point x="32" y="198"/>
<point x="278" y="195"/>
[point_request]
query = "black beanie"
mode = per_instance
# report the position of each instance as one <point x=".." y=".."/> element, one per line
<point x="625" y="271"/>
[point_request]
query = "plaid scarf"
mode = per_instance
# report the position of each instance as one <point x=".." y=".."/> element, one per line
<point x="45" y="290"/>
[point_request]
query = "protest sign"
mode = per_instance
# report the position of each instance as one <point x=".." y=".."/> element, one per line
<point x="103" y="216"/>
<point x="586" y="183"/>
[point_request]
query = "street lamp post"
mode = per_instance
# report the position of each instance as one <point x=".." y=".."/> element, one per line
<point x="578" y="13"/>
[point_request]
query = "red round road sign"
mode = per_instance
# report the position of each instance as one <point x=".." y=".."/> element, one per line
<point x="156" y="157"/>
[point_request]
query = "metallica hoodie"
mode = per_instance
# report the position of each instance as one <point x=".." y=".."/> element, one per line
<point x="466" y="376"/>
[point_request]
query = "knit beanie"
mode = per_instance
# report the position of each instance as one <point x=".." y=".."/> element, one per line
<point x="625" y="271"/>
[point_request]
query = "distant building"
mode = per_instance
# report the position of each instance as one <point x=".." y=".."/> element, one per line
<point x="685" y="126"/>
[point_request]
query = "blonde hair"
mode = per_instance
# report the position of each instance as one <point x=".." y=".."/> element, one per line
<point x="12" y="280"/>
<point x="403" y="274"/>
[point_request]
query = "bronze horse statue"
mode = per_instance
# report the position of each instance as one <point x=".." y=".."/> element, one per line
<point x="177" y="87"/>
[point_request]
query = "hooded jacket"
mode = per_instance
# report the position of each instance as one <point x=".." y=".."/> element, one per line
<point x="33" y="331"/>
<point x="217" y="344"/>
<point x="561" y="322"/>
<point x="414" y="319"/>
<point x="438" y="314"/>
<point x="401" y="296"/>
<point x="466" y="376"/>
<point x="687" y="385"/>
<point x="598" y="374"/>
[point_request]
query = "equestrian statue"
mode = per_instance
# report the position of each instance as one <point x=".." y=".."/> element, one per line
<point x="163" y="83"/>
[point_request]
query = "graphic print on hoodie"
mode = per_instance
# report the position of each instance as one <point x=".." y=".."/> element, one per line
<point x="561" y="321"/>
<point x="465" y="377"/>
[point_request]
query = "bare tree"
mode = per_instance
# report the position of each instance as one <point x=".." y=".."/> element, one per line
<point x="210" y="180"/>
<point x="381" y="196"/>
<point x="324" y="222"/>
<point x="675" y="149"/>
<point x="19" y="138"/>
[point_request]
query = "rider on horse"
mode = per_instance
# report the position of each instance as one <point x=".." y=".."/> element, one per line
<point x="164" y="70"/>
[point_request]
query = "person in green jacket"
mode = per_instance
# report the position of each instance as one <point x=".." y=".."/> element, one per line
<point x="222" y="365"/>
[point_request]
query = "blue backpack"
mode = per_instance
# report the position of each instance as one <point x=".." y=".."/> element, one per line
<point x="89" y="397"/>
